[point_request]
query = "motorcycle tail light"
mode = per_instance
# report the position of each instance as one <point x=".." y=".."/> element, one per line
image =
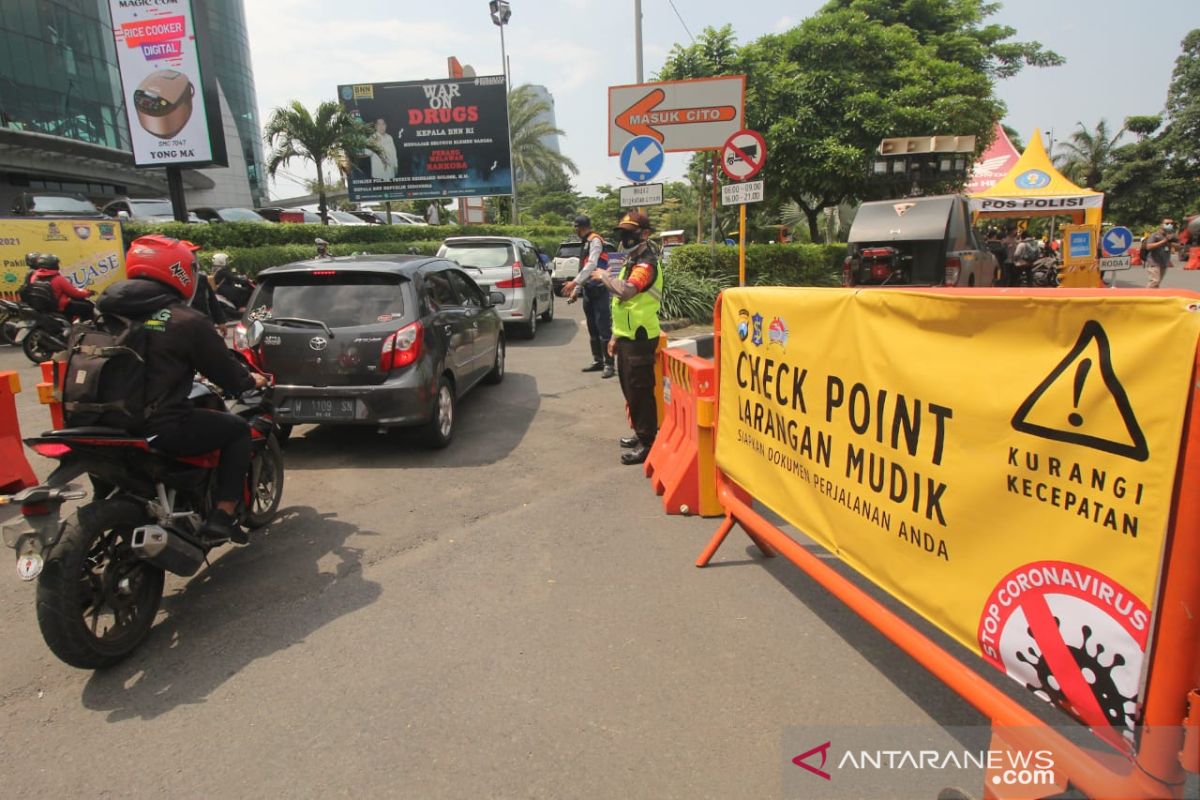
<point x="51" y="449"/>
<point x="35" y="509"/>
<point x="401" y="348"/>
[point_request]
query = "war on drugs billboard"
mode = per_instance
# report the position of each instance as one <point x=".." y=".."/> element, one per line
<point x="174" y="113"/>
<point x="436" y="138"/>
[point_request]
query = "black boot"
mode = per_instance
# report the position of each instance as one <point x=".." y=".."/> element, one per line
<point x="222" y="527"/>
<point x="597" y="358"/>
<point x="630" y="441"/>
<point x="635" y="456"/>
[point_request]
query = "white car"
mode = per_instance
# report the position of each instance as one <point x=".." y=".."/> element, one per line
<point x="565" y="264"/>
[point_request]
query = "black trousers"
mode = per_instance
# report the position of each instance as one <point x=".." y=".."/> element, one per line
<point x="635" y="368"/>
<point x="203" y="431"/>
<point x="79" y="309"/>
<point x="597" y="310"/>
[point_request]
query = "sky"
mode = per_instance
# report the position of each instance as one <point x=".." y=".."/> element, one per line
<point x="1119" y="57"/>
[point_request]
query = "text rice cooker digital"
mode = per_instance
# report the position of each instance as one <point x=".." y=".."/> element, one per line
<point x="164" y="102"/>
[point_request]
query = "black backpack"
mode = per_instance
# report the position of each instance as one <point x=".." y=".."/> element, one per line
<point x="39" y="295"/>
<point x="105" y="380"/>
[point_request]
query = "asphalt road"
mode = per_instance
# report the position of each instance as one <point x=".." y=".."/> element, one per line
<point x="511" y="617"/>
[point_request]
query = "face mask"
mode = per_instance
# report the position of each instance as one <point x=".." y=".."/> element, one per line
<point x="630" y="239"/>
<point x="1169" y="228"/>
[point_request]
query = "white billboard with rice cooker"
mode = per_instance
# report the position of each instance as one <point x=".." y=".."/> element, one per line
<point x="174" y="116"/>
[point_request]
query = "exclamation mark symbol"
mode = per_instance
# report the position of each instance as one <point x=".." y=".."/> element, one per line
<point x="1081" y="373"/>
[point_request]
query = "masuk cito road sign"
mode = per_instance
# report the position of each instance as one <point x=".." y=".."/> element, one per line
<point x="682" y="115"/>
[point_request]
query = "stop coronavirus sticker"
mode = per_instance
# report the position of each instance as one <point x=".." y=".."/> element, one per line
<point x="1073" y="636"/>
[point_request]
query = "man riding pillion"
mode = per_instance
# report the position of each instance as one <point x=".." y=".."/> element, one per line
<point x="636" y="298"/>
<point x="180" y="341"/>
<point x="71" y="302"/>
<point x="596" y="305"/>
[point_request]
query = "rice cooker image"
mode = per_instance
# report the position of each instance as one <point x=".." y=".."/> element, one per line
<point x="164" y="102"/>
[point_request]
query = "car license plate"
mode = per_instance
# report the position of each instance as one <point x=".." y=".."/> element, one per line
<point x="319" y="408"/>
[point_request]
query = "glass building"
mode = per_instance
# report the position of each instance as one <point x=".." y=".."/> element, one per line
<point x="62" y="117"/>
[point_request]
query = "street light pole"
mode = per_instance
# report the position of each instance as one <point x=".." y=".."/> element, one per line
<point x="501" y="12"/>
<point x="637" y="35"/>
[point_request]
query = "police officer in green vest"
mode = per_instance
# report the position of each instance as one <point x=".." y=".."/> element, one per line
<point x="636" y="297"/>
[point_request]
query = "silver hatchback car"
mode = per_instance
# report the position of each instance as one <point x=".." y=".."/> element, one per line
<point x="511" y="266"/>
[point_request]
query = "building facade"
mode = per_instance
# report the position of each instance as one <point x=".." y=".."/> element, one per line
<point x="63" y="125"/>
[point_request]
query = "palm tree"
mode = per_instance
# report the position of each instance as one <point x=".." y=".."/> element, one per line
<point x="329" y="135"/>
<point x="532" y="159"/>
<point x="1086" y="154"/>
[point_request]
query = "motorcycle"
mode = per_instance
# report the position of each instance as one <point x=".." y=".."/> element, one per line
<point x="10" y="321"/>
<point x="100" y="572"/>
<point x="42" y="334"/>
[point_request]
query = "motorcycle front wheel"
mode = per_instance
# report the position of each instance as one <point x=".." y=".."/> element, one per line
<point x="96" y="600"/>
<point x="266" y="485"/>
<point x="38" y="347"/>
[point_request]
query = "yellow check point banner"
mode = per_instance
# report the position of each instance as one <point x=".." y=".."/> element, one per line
<point x="90" y="252"/>
<point x="1003" y="464"/>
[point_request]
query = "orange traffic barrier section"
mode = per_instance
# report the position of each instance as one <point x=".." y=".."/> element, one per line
<point x="1153" y="757"/>
<point x="50" y="391"/>
<point x="15" y="472"/>
<point x="681" y="463"/>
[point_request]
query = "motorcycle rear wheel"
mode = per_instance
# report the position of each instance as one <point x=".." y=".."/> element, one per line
<point x="96" y="600"/>
<point x="266" y="490"/>
<point x="37" y="348"/>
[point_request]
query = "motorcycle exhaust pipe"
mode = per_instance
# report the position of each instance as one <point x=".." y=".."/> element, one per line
<point x="167" y="550"/>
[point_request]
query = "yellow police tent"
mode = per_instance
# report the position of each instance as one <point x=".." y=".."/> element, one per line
<point x="1034" y="188"/>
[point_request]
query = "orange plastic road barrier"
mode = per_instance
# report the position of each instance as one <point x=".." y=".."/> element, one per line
<point x="50" y="391"/>
<point x="15" y="473"/>
<point x="1171" y="715"/>
<point x="681" y="465"/>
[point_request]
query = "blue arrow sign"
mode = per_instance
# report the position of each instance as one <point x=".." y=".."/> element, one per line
<point x="641" y="159"/>
<point x="1117" y="241"/>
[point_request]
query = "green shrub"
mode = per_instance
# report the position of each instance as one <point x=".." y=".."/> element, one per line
<point x="766" y="264"/>
<point x="252" y="260"/>
<point x="689" y="296"/>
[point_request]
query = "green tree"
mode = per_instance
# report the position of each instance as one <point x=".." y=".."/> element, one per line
<point x="533" y="159"/>
<point x="330" y="135"/>
<point x="827" y="91"/>
<point x="1085" y="155"/>
<point x="1181" y="138"/>
<point x="604" y="208"/>
<point x="551" y="199"/>
<point x="1014" y="136"/>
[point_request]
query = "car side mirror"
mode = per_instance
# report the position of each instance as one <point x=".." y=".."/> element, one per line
<point x="495" y="298"/>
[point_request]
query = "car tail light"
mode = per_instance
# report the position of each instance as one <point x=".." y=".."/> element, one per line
<point x="239" y="338"/>
<point x="953" y="270"/>
<point x="51" y="449"/>
<point x="324" y="273"/>
<point x="401" y="348"/>
<point x="517" y="280"/>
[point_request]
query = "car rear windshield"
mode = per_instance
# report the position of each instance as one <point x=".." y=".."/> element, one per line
<point x="482" y="256"/>
<point x="151" y="208"/>
<point x="339" y="298"/>
<point x="50" y="204"/>
<point x="239" y="215"/>
<point x="568" y="251"/>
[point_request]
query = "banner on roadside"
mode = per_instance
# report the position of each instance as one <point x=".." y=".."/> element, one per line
<point x="1003" y="467"/>
<point x="436" y="138"/>
<point x="90" y="251"/>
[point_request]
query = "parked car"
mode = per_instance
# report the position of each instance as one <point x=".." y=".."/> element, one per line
<point x="55" y="204"/>
<point x="565" y="264"/>
<point x="917" y="241"/>
<point x="145" y="209"/>
<point x="277" y="214"/>
<point x="511" y="266"/>
<point x="377" y="217"/>
<point x="375" y="340"/>
<point x="344" y="218"/>
<point x="209" y="214"/>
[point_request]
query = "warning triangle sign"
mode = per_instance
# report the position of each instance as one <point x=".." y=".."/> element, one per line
<point x="1082" y="402"/>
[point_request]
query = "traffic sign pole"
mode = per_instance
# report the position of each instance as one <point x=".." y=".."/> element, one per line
<point x="742" y="245"/>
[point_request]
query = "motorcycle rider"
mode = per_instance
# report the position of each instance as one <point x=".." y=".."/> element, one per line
<point x="180" y="341"/>
<point x="72" y="302"/>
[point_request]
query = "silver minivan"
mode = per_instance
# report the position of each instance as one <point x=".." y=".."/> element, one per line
<point x="511" y="266"/>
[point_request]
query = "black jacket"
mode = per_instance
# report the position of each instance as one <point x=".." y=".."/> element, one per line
<point x="180" y="342"/>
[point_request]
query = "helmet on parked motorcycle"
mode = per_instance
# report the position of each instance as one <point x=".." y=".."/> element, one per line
<point x="171" y="262"/>
<point x="47" y="261"/>
<point x="31" y="259"/>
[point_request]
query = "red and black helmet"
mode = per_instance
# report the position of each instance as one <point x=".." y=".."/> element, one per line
<point x="171" y="262"/>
